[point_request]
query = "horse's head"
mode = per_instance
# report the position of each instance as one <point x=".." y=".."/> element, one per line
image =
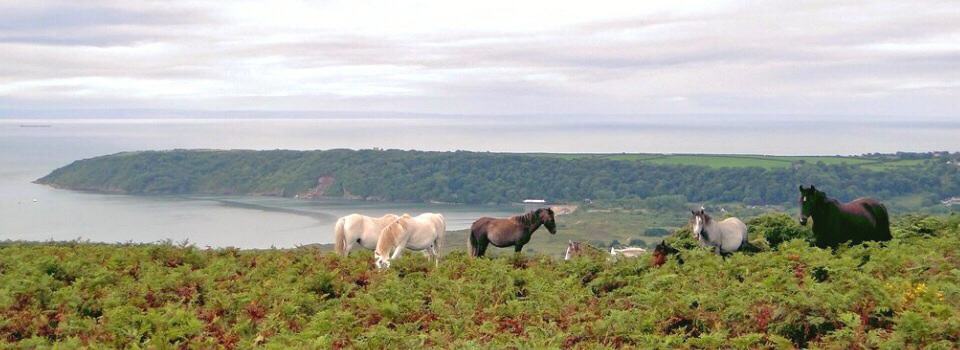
<point x="809" y="199"/>
<point x="573" y="249"/>
<point x="699" y="222"/>
<point x="381" y="261"/>
<point x="661" y="251"/>
<point x="546" y="217"/>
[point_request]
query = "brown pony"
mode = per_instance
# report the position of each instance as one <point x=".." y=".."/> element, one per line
<point x="662" y="251"/>
<point x="513" y="231"/>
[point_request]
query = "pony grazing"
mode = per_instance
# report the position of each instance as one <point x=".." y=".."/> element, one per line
<point x="359" y="229"/>
<point x="513" y="231"/>
<point x="424" y="232"/>
<point x="627" y="252"/>
<point x="578" y="249"/>
<point x="863" y="219"/>
<point x="727" y="235"/>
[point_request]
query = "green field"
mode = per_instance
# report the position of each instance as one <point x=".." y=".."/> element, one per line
<point x="740" y="161"/>
<point x="904" y="294"/>
<point x="893" y="164"/>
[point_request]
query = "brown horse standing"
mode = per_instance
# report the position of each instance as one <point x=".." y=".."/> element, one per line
<point x="513" y="231"/>
<point x="864" y="219"/>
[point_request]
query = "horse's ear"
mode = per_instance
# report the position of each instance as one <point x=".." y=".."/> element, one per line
<point x="813" y="188"/>
<point x="694" y="212"/>
<point x="802" y="189"/>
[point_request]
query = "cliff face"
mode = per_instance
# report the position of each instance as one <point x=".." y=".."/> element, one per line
<point x="324" y="183"/>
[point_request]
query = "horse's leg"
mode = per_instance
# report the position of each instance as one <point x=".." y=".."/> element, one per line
<point x="347" y="247"/>
<point x="517" y="248"/>
<point x="397" y="250"/>
<point x="434" y="254"/>
<point x="482" y="246"/>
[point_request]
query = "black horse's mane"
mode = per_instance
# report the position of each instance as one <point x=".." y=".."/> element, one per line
<point x="529" y="218"/>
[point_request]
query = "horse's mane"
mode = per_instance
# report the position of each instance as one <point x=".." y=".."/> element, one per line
<point x="527" y="219"/>
<point x="385" y="218"/>
<point x="388" y="238"/>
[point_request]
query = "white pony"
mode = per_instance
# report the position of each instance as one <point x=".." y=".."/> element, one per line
<point x="727" y="235"/>
<point x="356" y="228"/>
<point x="627" y="252"/>
<point x="575" y="249"/>
<point x="424" y="232"/>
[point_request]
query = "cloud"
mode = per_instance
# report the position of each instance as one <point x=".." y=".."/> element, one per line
<point x="496" y="57"/>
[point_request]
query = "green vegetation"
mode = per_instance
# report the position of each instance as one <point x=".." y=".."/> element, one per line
<point x="721" y="161"/>
<point x="470" y="177"/>
<point x="893" y="164"/>
<point x="742" y="160"/>
<point x="904" y="294"/>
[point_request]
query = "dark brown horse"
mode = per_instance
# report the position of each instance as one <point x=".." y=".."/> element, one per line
<point x="864" y="219"/>
<point x="662" y="251"/>
<point x="513" y="231"/>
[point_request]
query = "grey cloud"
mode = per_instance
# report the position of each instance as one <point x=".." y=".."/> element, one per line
<point x="769" y="57"/>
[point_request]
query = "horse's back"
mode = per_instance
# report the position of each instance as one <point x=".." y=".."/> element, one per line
<point x="351" y="221"/>
<point x="860" y="206"/>
<point x="629" y="252"/>
<point x="733" y="234"/>
<point x="435" y="220"/>
<point x="876" y="212"/>
<point x="733" y="222"/>
<point x="480" y="223"/>
<point x="866" y="207"/>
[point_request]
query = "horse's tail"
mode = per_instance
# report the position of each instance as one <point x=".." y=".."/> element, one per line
<point x="883" y="221"/>
<point x="472" y="241"/>
<point x="748" y="247"/>
<point x="340" y="237"/>
<point x="441" y="235"/>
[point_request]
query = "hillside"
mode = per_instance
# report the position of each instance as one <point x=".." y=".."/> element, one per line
<point x="901" y="295"/>
<point x="471" y="177"/>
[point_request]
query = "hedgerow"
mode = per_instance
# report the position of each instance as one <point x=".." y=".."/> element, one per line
<point x="899" y="294"/>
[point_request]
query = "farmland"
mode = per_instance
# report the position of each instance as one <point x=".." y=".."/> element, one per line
<point x="899" y="295"/>
<point x="742" y="160"/>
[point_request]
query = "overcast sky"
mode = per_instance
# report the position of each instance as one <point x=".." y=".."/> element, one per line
<point x="863" y="58"/>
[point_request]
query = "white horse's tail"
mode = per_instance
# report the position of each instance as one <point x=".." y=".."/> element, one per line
<point x="441" y="235"/>
<point x="340" y="237"/>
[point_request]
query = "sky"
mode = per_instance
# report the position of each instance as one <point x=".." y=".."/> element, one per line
<point x="782" y="59"/>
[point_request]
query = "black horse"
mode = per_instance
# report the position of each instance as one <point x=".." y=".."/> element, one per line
<point x="864" y="219"/>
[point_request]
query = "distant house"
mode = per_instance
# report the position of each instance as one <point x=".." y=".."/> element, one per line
<point x="951" y="201"/>
<point x="532" y="204"/>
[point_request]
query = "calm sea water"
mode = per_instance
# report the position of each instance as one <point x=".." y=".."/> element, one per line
<point x="34" y="212"/>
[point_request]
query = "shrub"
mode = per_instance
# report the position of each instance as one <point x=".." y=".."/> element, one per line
<point x="777" y="228"/>
<point x="900" y="294"/>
